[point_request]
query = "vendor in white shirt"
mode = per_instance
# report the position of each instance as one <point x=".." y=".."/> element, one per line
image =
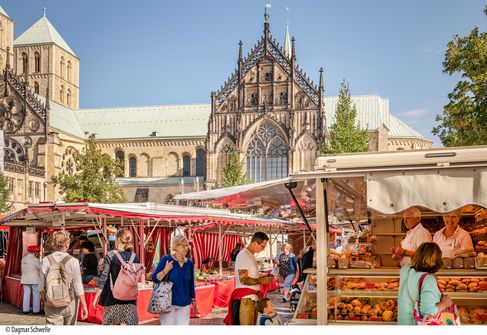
<point x="415" y="236"/>
<point x="452" y="237"/>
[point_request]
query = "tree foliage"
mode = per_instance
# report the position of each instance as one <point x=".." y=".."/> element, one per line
<point x="94" y="179"/>
<point x="345" y="133"/>
<point x="5" y="203"/>
<point x="464" y="119"/>
<point x="233" y="173"/>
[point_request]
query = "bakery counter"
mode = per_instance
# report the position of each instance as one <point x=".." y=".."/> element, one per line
<point x="394" y="272"/>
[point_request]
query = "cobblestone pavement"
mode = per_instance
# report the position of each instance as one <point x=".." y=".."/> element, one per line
<point x="11" y="315"/>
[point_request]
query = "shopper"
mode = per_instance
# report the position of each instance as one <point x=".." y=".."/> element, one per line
<point x="288" y="269"/>
<point x="241" y="307"/>
<point x="117" y="312"/>
<point x="58" y="242"/>
<point x="426" y="261"/>
<point x="235" y="251"/>
<point x="452" y="237"/>
<point x="31" y="269"/>
<point x="179" y="270"/>
<point x="415" y="236"/>
<point x="268" y="315"/>
<point x="89" y="265"/>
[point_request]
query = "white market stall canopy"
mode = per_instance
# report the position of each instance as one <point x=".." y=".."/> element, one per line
<point x="440" y="190"/>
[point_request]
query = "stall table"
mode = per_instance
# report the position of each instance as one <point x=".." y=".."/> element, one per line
<point x="96" y="316"/>
<point x="14" y="293"/>
<point x="204" y="300"/>
<point x="223" y="291"/>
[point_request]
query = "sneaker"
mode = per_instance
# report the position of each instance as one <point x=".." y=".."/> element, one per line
<point x="25" y="313"/>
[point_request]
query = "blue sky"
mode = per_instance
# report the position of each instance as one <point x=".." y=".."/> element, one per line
<point x="151" y="52"/>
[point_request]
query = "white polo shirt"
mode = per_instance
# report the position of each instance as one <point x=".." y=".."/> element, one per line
<point x="460" y="239"/>
<point x="414" y="238"/>
<point x="246" y="260"/>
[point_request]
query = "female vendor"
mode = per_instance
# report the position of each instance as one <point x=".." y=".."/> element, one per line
<point x="452" y="237"/>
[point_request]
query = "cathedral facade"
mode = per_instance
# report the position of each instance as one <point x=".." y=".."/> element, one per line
<point x="269" y="111"/>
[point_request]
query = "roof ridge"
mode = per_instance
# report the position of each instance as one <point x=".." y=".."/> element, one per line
<point x="49" y="25"/>
<point x="144" y="106"/>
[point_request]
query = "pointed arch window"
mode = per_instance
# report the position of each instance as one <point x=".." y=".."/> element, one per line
<point x="62" y="64"/>
<point x="266" y="154"/>
<point x="68" y="71"/>
<point x="120" y="157"/>
<point x="306" y="154"/>
<point x="61" y="94"/>
<point x="186" y="165"/>
<point x="37" y="62"/>
<point x="36" y="87"/>
<point x="68" y="97"/>
<point x="224" y="151"/>
<point x="25" y="62"/>
<point x="200" y="162"/>
<point x="133" y="166"/>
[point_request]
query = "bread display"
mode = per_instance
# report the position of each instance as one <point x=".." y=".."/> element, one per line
<point x="473" y="315"/>
<point x="362" y="309"/>
<point x="462" y="284"/>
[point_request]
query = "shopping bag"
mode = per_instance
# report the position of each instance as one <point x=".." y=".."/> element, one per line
<point x="161" y="298"/>
<point x="448" y="317"/>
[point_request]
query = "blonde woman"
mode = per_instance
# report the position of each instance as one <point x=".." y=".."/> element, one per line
<point x="287" y="263"/>
<point x="179" y="270"/>
<point x="116" y="312"/>
<point x="59" y="243"/>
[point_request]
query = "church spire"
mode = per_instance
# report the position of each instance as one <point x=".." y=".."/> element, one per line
<point x="266" y="17"/>
<point x="287" y="43"/>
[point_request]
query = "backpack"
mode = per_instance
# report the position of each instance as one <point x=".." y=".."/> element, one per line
<point x="58" y="283"/>
<point x="126" y="286"/>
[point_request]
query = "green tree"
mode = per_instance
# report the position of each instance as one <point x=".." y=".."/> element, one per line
<point x="94" y="179"/>
<point x="5" y="203"/>
<point x="233" y="172"/>
<point x="464" y="119"/>
<point x="345" y="134"/>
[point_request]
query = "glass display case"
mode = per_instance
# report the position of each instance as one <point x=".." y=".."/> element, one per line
<point x="306" y="310"/>
<point x="370" y="296"/>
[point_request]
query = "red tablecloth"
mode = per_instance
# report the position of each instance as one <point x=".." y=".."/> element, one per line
<point x="223" y="291"/>
<point x="96" y="316"/>
<point x="204" y="299"/>
<point x="13" y="292"/>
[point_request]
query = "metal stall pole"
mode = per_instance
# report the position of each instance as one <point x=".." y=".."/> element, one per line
<point x="105" y="236"/>
<point x="141" y="241"/>
<point x="220" y="251"/>
<point x="270" y="245"/>
<point x="322" y="249"/>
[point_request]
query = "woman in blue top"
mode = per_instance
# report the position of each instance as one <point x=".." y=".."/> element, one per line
<point x="179" y="270"/>
<point x="288" y="268"/>
<point x="427" y="259"/>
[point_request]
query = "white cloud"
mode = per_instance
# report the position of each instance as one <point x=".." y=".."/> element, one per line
<point x="415" y="113"/>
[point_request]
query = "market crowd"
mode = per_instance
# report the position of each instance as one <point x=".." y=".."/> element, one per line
<point x="57" y="279"/>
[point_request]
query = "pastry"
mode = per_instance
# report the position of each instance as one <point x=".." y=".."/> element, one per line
<point x="387" y="316"/>
<point x="356" y="303"/>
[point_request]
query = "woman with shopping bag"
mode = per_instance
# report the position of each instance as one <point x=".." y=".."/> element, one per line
<point x="178" y="270"/>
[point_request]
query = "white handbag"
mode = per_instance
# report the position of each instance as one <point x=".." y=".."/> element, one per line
<point x="161" y="298"/>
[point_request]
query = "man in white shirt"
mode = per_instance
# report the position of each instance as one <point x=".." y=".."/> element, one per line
<point x="59" y="242"/>
<point x="415" y="236"/>
<point x="31" y="268"/>
<point x="247" y="272"/>
<point x="452" y="237"/>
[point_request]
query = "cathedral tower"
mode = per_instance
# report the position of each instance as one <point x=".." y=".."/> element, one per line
<point x="43" y="58"/>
